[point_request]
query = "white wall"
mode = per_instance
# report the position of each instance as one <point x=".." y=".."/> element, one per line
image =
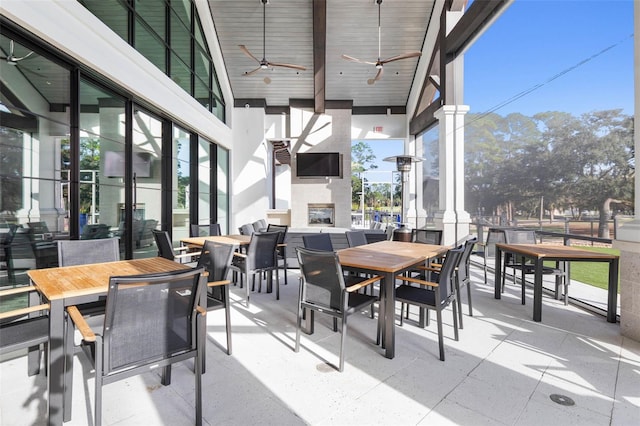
<point x="329" y="132"/>
<point x="250" y="164"/>
<point x="393" y="126"/>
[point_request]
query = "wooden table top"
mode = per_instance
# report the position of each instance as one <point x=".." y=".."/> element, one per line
<point x="223" y="239"/>
<point x="389" y="256"/>
<point x="553" y="252"/>
<point x="82" y="280"/>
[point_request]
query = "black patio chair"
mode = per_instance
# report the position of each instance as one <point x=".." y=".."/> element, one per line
<point x="326" y="289"/>
<point x="246" y="229"/>
<point x="150" y="321"/>
<point x="212" y="229"/>
<point x="166" y="249"/>
<point x="7" y="233"/>
<point x="215" y="259"/>
<point x="82" y="252"/>
<point x="319" y="241"/>
<point x="26" y="327"/>
<point x="433" y="295"/>
<point x="281" y="249"/>
<point x="463" y="276"/>
<point x="356" y="238"/>
<point x="260" y="257"/>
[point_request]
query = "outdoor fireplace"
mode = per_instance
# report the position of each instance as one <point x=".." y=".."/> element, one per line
<point x="321" y="214"/>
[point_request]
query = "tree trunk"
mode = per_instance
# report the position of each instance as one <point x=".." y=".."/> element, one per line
<point x="605" y="214"/>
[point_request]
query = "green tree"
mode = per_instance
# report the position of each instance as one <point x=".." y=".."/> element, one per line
<point x="362" y="159"/>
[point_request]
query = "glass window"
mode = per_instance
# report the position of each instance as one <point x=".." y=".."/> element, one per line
<point x="222" y="189"/>
<point x="101" y="160"/>
<point x="204" y="181"/>
<point x="113" y="13"/>
<point x="201" y="93"/>
<point x="152" y="47"/>
<point x="154" y="14"/>
<point x="34" y="160"/>
<point x="180" y="39"/>
<point x="181" y="185"/>
<point x="431" y="170"/>
<point x="180" y="73"/>
<point x="147" y="182"/>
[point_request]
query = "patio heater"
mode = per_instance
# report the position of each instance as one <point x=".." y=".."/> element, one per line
<point x="403" y="165"/>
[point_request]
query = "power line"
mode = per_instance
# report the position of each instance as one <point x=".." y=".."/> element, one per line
<point x="549" y="80"/>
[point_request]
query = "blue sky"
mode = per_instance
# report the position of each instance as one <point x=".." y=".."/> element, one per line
<point x="586" y="44"/>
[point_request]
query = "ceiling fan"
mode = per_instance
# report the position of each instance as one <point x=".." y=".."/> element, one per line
<point x="12" y="59"/>
<point x="264" y="64"/>
<point x="380" y="62"/>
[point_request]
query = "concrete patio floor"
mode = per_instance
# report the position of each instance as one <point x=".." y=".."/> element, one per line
<point x="502" y="371"/>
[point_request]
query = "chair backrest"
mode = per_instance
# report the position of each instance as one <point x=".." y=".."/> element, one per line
<point x="389" y="231"/>
<point x="322" y="278"/>
<point x="163" y="242"/>
<point x="259" y="225"/>
<point x="282" y="229"/>
<point x="82" y="252"/>
<point x="150" y="318"/>
<point x="261" y="253"/>
<point x="246" y="229"/>
<point x="447" y="273"/>
<point x="94" y="231"/>
<point x="519" y="236"/>
<point x="319" y="241"/>
<point x="356" y="238"/>
<point x="204" y="230"/>
<point x="426" y="236"/>
<point x="465" y="259"/>
<point x="215" y="259"/>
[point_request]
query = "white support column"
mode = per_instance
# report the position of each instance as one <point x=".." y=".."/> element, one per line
<point x="415" y="213"/>
<point x="451" y="217"/>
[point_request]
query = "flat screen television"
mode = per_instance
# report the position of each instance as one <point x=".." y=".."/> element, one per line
<point x="114" y="164"/>
<point x="319" y="164"/>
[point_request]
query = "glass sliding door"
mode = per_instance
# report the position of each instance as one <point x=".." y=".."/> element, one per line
<point x="204" y="182"/>
<point x="34" y="131"/>
<point x="101" y="188"/>
<point x="181" y="183"/>
<point x="222" y="189"/>
<point x="146" y="182"/>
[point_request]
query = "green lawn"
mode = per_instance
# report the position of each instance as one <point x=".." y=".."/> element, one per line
<point x="593" y="273"/>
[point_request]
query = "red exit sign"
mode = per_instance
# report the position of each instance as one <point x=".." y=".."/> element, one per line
<point x="377" y="129"/>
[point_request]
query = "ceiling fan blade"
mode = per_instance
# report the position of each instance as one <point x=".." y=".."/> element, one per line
<point x="248" y="73"/>
<point x="246" y="52"/>
<point x="377" y="77"/>
<point x="352" y="59"/>
<point x="295" y="67"/>
<point x="402" y="56"/>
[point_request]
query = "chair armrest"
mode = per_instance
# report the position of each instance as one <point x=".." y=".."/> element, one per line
<point x="218" y="283"/>
<point x="17" y="290"/>
<point x="435" y="267"/>
<point x="87" y="333"/>
<point x="188" y="255"/>
<point x="24" y="311"/>
<point x="417" y="281"/>
<point x="364" y="283"/>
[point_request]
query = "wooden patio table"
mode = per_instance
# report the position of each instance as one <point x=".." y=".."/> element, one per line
<point x="388" y="259"/>
<point x="71" y="285"/>
<point x="538" y="253"/>
<point x="236" y="240"/>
